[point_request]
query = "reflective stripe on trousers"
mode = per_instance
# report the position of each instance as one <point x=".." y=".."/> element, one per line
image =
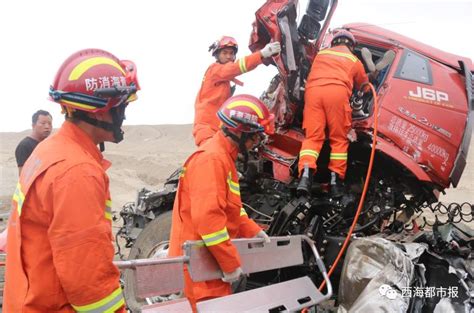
<point x="108" y="304"/>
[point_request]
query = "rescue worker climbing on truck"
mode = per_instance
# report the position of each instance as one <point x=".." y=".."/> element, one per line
<point x="59" y="245"/>
<point x="328" y="89"/>
<point x="216" y="87"/>
<point x="207" y="206"/>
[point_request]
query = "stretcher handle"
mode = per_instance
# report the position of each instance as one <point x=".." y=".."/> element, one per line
<point x="321" y="266"/>
<point x="131" y="264"/>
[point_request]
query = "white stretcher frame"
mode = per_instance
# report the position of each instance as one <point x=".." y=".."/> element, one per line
<point x="165" y="276"/>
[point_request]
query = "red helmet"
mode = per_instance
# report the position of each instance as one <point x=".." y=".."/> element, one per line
<point x="343" y="36"/>
<point x="94" y="80"/>
<point x="224" y="42"/>
<point x="247" y="114"/>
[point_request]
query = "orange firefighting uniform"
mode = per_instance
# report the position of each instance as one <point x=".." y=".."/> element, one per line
<point x="59" y="245"/>
<point x="208" y="207"/>
<point x="328" y="89"/>
<point x="215" y="90"/>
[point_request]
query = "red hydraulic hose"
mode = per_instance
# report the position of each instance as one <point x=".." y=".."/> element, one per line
<point x="364" y="191"/>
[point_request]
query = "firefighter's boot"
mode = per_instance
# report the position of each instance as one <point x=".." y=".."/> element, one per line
<point x="306" y="179"/>
<point x="337" y="186"/>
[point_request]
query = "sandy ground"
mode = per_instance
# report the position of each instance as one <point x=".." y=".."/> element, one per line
<point x="148" y="155"/>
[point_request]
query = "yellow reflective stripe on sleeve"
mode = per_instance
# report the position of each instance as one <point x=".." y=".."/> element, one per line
<point x="183" y="171"/>
<point x="233" y="186"/>
<point x="340" y="54"/>
<point x="242" y="65"/>
<point x="309" y="152"/>
<point x="216" y="237"/>
<point x="108" y="209"/>
<point x="338" y="156"/>
<point x="116" y="306"/>
<point x="108" y="304"/>
<point x="19" y="198"/>
<point x="243" y="212"/>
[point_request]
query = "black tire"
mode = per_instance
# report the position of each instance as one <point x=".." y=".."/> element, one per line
<point x="148" y="241"/>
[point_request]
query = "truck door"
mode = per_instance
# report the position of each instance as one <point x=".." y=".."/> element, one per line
<point x="424" y="112"/>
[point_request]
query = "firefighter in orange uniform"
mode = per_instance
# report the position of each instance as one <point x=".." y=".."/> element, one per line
<point x="59" y="245"/>
<point x="208" y="205"/>
<point x="329" y="86"/>
<point x="216" y="87"/>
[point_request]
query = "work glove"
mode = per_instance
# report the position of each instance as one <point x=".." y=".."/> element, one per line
<point x="262" y="234"/>
<point x="270" y="49"/>
<point x="233" y="276"/>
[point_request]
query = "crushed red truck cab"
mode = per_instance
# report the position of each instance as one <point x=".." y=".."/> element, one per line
<point x="425" y="101"/>
<point x="425" y="104"/>
<point x="425" y="95"/>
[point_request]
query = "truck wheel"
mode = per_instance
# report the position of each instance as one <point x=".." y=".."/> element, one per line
<point x="153" y="240"/>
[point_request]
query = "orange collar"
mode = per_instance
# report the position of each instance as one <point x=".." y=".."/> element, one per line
<point x="341" y="48"/>
<point x="75" y="133"/>
<point x="226" y="144"/>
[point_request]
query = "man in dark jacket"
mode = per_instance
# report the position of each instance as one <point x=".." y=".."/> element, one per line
<point x="42" y="126"/>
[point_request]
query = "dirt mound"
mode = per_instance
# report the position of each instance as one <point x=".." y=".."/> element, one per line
<point x="145" y="158"/>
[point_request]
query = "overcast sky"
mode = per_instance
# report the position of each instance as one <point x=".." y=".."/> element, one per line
<point x="168" y="41"/>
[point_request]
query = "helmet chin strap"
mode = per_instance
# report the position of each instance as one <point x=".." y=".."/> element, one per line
<point x="240" y="141"/>
<point x="118" y="115"/>
<point x="351" y="48"/>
